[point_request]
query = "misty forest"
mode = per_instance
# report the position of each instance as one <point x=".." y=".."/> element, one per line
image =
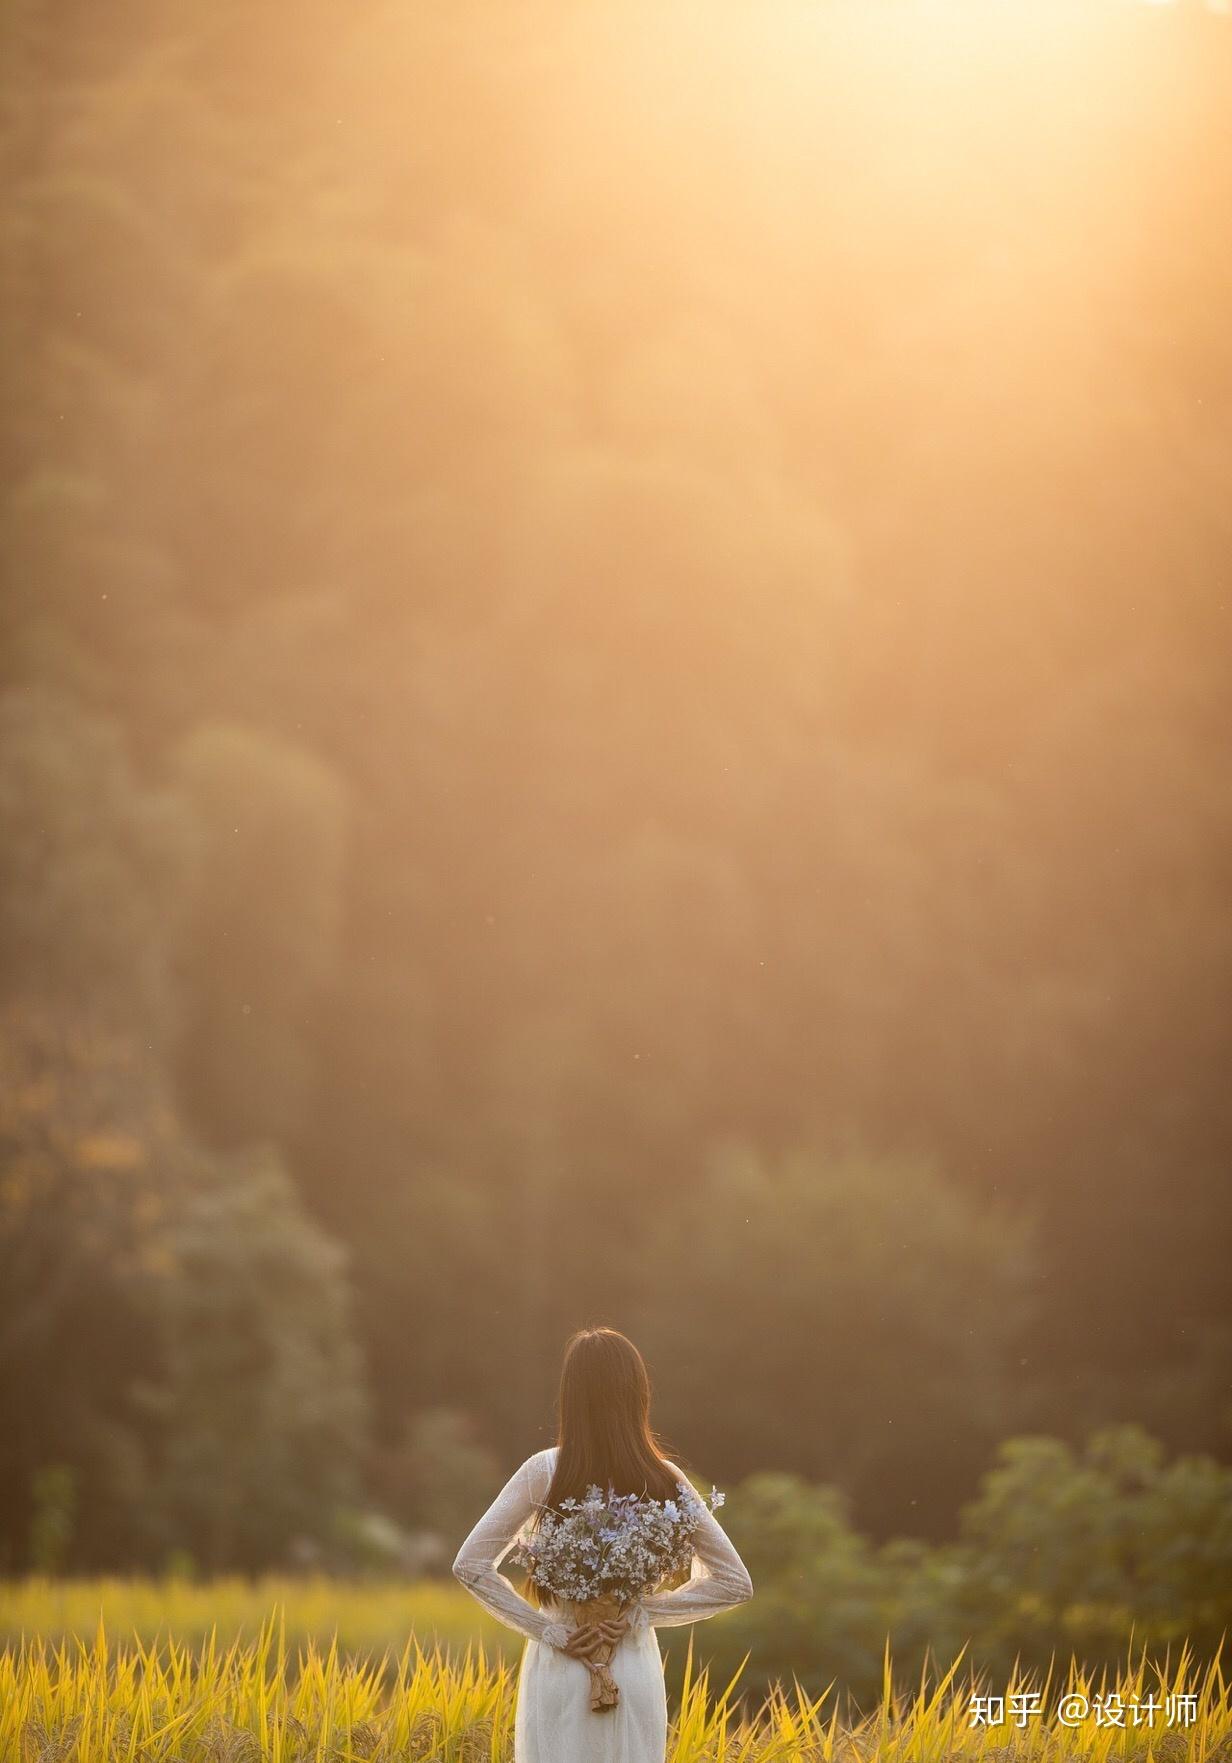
<point x="613" y="708"/>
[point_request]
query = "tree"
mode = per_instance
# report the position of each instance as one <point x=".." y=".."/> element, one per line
<point x="439" y="1476"/>
<point x="1081" y="1541"/>
<point x="174" y="1332"/>
<point x="893" y="1302"/>
<point x="96" y="864"/>
<point x="264" y="931"/>
<point x="260" y="1404"/>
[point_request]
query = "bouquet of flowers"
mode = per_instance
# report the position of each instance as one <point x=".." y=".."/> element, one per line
<point x="604" y="1551"/>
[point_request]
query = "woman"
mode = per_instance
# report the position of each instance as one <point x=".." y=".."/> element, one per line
<point x="605" y="1439"/>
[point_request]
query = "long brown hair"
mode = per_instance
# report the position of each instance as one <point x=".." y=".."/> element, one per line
<point x="604" y="1434"/>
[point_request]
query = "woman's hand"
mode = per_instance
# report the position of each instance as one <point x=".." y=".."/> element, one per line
<point x="584" y="1640"/>
<point x="589" y="1637"/>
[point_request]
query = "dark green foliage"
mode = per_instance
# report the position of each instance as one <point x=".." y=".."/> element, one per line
<point x="260" y="1414"/>
<point x="173" y="1330"/>
<point x="438" y="1477"/>
<point x="51" y="1525"/>
<point x="896" y="1306"/>
<point x="1061" y="1553"/>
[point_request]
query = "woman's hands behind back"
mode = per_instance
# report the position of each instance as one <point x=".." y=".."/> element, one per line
<point x="588" y="1637"/>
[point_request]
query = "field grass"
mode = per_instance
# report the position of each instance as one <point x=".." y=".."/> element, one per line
<point x="169" y="1699"/>
<point x="368" y="1618"/>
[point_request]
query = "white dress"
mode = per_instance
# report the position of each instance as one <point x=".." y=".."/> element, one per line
<point x="554" y="1722"/>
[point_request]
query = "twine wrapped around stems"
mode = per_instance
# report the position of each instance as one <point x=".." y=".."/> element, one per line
<point x="607" y="1614"/>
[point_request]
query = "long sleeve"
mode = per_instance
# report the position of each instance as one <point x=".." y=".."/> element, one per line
<point x="719" y="1581"/>
<point x="491" y="1540"/>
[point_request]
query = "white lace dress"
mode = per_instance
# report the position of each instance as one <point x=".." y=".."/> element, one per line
<point x="554" y="1720"/>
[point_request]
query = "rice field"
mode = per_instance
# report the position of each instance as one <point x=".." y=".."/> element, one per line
<point x="111" y="1697"/>
<point x="366" y="1617"/>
